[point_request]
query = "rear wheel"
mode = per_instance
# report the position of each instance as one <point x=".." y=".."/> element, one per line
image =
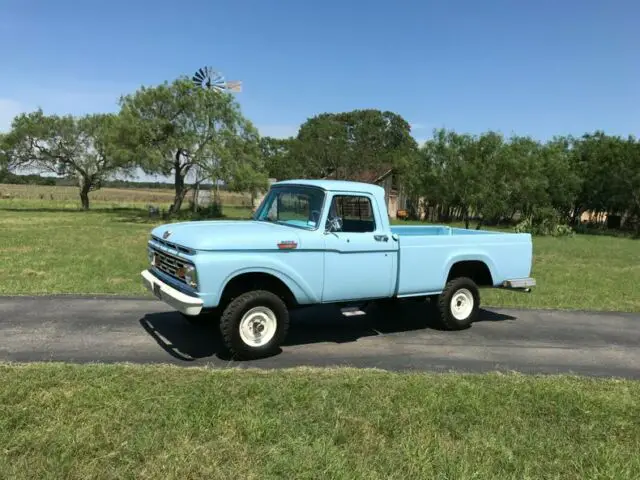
<point x="254" y="325"/>
<point x="459" y="303"/>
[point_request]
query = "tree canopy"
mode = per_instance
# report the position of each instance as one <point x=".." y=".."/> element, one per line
<point x="339" y="145"/>
<point x="178" y="128"/>
<point x="81" y="148"/>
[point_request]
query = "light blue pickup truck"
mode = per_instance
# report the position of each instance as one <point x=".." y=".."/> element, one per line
<point x="324" y="242"/>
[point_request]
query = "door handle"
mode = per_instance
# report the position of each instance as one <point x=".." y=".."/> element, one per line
<point x="381" y="238"/>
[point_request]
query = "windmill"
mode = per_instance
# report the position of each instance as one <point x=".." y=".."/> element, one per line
<point x="206" y="77"/>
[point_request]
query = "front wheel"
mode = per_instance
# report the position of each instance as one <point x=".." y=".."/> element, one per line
<point x="254" y="325"/>
<point x="459" y="303"/>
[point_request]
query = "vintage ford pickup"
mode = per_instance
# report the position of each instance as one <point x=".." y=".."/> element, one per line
<point x="318" y="242"/>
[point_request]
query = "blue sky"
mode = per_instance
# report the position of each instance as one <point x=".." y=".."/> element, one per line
<point x="534" y="68"/>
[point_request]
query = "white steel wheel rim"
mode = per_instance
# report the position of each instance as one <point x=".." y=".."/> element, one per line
<point x="461" y="304"/>
<point x="258" y="326"/>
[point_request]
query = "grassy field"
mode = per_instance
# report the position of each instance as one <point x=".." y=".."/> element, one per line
<point x="51" y="247"/>
<point x="78" y="422"/>
<point x="117" y="196"/>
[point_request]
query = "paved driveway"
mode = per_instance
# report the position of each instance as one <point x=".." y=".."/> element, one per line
<point x="77" y="329"/>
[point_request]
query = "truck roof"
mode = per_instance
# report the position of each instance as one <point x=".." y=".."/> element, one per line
<point x="334" y="185"/>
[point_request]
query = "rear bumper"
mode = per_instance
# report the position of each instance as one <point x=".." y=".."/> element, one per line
<point x="178" y="300"/>
<point x="524" y="284"/>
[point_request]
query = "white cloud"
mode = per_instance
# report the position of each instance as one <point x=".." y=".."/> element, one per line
<point x="278" y="131"/>
<point x="8" y="110"/>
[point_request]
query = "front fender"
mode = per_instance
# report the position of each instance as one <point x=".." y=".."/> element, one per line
<point x="302" y="272"/>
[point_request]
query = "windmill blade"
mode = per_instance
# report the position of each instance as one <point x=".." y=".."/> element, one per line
<point x="216" y="79"/>
<point x="199" y="76"/>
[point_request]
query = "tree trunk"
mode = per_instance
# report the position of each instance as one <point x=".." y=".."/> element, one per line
<point x="85" y="188"/>
<point x="84" y="198"/>
<point x="180" y="190"/>
<point x="466" y="218"/>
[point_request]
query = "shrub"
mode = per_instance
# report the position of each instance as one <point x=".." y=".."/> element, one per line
<point x="545" y="222"/>
<point x="213" y="210"/>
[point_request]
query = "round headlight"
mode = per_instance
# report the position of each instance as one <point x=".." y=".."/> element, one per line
<point x="190" y="275"/>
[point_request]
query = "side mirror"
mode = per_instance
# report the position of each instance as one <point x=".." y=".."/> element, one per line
<point x="334" y="224"/>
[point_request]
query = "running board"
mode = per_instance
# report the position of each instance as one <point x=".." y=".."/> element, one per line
<point x="351" y="311"/>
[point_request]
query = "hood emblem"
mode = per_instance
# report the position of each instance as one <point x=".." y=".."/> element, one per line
<point x="287" y="245"/>
<point x="166" y="234"/>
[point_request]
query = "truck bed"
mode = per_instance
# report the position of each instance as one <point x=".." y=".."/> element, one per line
<point x="431" y="230"/>
<point x="427" y="253"/>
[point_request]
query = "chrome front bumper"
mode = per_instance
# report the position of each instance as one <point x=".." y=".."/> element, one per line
<point x="178" y="300"/>
<point x="523" y="284"/>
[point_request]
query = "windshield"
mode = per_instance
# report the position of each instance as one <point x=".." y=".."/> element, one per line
<point x="297" y="206"/>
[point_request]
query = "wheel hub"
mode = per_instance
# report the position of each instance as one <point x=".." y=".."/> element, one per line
<point x="462" y="303"/>
<point x="258" y="326"/>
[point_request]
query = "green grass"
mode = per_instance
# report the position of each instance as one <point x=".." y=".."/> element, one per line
<point x="59" y="249"/>
<point x="79" y="422"/>
<point x="52" y="247"/>
<point x="585" y="272"/>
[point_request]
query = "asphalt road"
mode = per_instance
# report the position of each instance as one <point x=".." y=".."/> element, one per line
<point x="76" y="329"/>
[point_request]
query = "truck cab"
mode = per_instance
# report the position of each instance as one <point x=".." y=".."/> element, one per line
<point x="324" y="242"/>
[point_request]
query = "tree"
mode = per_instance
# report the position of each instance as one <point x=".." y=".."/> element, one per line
<point x="247" y="173"/>
<point x="279" y="159"/>
<point x="177" y="128"/>
<point x="563" y="181"/>
<point x="80" y="148"/>
<point x="453" y="173"/>
<point x="342" y="144"/>
<point x="610" y="166"/>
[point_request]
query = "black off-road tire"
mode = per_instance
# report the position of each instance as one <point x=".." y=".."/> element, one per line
<point x="464" y="286"/>
<point x="232" y="315"/>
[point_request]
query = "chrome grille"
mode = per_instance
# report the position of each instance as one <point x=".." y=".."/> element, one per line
<point x="173" y="246"/>
<point x="168" y="264"/>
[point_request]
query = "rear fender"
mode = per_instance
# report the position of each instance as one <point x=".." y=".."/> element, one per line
<point x="467" y="257"/>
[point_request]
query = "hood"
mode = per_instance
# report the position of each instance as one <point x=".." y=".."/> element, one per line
<point x="227" y="235"/>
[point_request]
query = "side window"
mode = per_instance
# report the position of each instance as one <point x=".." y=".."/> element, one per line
<point x="354" y="212"/>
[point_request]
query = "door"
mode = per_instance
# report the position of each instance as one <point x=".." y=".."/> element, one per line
<point x="359" y="259"/>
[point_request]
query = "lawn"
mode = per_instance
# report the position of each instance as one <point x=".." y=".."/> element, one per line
<point x="99" y="421"/>
<point x="51" y="247"/>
